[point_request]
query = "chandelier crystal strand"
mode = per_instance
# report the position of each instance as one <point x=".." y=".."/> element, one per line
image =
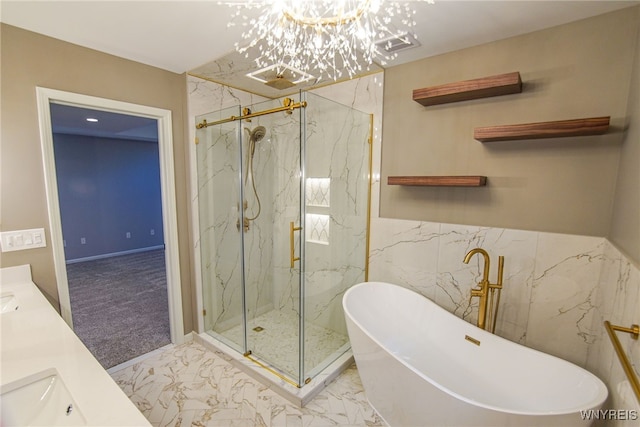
<point x="322" y="37"/>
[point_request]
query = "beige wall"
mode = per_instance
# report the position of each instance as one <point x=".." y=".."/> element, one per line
<point x="625" y="225"/>
<point x="563" y="185"/>
<point x="30" y="60"/>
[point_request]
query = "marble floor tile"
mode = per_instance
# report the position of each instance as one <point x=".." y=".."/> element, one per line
<point x="189" y="385"/>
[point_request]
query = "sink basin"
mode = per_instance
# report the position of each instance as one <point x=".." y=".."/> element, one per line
<point x="8" y="303"/>
<point x="41" y="399"/>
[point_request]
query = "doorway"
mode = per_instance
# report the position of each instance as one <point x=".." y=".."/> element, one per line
<point x="160" y="120"/>
<point x="108" y="175"/>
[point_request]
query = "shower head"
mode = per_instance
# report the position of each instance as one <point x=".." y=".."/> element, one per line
<point x="255" y="135"/>
<point x="280" y="83"/>
<point x="258" y="133"/>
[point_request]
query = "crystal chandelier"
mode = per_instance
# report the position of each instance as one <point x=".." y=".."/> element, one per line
<point x="326" y="38"/>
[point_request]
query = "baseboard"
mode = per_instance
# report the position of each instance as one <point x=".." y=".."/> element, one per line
<point x="114" y="254"/>
<point x="188" y="337"/>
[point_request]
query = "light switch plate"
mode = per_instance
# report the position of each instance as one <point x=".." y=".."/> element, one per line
<point x="22" y="239"/>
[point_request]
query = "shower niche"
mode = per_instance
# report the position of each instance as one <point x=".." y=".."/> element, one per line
<point x="283" y="193"/>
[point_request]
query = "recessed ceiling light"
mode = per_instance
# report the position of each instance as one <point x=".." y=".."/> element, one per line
<point x="91" y="119"/>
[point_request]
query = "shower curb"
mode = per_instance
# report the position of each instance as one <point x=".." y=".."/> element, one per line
<point x="298" y="396"/>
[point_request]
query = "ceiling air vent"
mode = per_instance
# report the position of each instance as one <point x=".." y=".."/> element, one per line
<point x="397" y="43"/>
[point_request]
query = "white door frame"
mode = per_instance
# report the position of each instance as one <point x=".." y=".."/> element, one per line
<point x="167" y="183"/>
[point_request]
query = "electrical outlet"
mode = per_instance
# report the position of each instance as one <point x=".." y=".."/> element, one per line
<point x="128" y="235"/>
<point x="83" y="241"/>
<point x="22" y="239"/>
<point x="152" y="232"/>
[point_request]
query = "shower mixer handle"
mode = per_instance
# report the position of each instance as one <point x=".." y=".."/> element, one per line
<point x="292" y="243"/>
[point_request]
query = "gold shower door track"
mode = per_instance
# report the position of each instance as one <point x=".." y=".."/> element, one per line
<point x="249" y="355"/>
<point x="287" y="105"/>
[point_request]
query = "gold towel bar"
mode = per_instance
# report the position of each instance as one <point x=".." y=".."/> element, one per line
<point x="634" y="330"/>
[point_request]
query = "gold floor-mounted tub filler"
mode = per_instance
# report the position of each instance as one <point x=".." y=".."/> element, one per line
<point x="489" y="293"/>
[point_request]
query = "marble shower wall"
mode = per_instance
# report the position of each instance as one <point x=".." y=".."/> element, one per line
<point x="557" y="288"/>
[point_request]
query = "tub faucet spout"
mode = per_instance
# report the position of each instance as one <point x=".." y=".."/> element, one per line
<point x="487" y="261"/>
<point x="485" y="288"/>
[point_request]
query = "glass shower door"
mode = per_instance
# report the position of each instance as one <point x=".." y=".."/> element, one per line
<point x="336" y="211"/>
<point x="271" y="182"/>
<point x="218" y="152"/>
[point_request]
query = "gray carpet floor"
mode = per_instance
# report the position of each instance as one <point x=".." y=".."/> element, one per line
<point x="119" y="305"/>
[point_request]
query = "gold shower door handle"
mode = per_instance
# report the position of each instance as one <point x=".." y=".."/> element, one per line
<point x="292" y="242"/>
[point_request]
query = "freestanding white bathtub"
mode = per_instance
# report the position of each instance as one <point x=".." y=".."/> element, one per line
<point x="418" y="369"/>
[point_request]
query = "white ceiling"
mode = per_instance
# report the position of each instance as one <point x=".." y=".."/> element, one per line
<point x="180" y="36"/>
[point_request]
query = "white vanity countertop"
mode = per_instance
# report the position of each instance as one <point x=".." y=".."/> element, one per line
<point x="35" y="338"/>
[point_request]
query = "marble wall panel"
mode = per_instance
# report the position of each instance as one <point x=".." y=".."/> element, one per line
<point x="548" y="283"/>
<point x="405" y="253"/>
<point x="456" y="279"/>
<point x="619" y="303"/>
<point x="612" y="282"/>
<point x="564" y="295"/>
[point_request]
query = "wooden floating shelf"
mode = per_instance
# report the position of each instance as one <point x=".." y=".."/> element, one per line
<point x="438" y="181"/>
<point x="502" y="84"/>
<point x="556" y="129"/>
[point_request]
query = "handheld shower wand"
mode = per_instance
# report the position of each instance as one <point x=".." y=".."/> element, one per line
<point x="255" y="136"/>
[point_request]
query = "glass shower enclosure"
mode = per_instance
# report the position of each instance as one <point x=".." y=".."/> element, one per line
<point x="283" y="194"/>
